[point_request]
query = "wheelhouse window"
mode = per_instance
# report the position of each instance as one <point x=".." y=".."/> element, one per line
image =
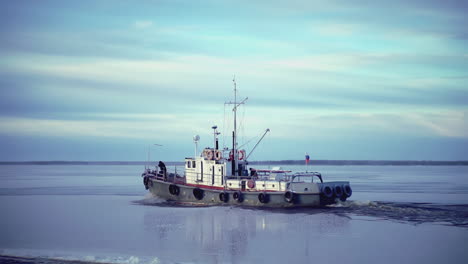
<point x="193" y="164"/>
<point x="188" y="164"/>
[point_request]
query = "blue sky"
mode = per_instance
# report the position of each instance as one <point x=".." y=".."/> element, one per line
<point x="103" y="80"/>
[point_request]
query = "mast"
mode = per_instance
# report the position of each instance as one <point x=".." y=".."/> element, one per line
<point x="215" y="137"/>
<point x="234" y="133"/>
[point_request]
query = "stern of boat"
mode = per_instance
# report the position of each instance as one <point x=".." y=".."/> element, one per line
<point x="331" y="191"/>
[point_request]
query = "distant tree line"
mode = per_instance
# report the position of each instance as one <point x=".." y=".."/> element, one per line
<point x="363" y="162"/>
<point x="266" y="162"/>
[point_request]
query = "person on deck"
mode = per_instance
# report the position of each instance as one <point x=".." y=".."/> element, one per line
<point x="253" y="172"/>
<point x="163" y="170"/>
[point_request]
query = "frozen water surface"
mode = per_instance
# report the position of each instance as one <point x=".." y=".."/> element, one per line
<point x="397" y="214"/>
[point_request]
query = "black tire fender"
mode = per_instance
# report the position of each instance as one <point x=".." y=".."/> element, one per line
<point x="145" y="182"/>
<point x="223" y="197"/>
<point x="263" y="197"/>
<point x="174" y="189"/>
<point x="327" y="191"/>
<point x="347" y="190"/>
<point x="237" y="196"/>
<point x="198" y="193"/>
<point x="289" y="196"/>
<point x="338" y="191"/>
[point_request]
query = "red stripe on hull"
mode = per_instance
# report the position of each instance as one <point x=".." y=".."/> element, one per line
<point x="228" y="189"/>
<point x="205" y="186"/>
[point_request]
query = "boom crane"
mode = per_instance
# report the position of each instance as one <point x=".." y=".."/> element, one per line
<point x="266" y="131"/>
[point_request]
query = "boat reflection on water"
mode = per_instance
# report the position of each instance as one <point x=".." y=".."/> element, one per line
<point x="236" y="235"/>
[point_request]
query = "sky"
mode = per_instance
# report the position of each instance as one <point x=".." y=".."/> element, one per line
<point x="105" y="80"/>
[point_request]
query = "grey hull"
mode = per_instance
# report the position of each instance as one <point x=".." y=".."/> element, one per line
<point x="191" y="194"/>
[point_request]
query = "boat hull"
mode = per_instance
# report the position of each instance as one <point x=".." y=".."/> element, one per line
<point x="182" y="193"/>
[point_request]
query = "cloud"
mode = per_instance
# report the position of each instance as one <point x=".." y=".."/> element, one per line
<point x="143" y="24"/>
<point x="292" y="123"/>
<point x="170" y="68"/>
<point x="452" y="124"/>
<point x="336" y="29"/>
<point x="288" y="124"/>
<point x="367" y="81"/>
<point x="156" y="126"/>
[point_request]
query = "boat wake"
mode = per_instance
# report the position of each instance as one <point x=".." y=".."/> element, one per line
<point x="416" y="213"/>
<point x="150" y="199"/>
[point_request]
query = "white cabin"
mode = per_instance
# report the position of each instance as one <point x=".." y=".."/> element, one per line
<point x="211" y="170"/>
<point x="201" y="171"/>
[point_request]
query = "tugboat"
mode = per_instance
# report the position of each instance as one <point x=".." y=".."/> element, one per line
<point x="222" y="177"/>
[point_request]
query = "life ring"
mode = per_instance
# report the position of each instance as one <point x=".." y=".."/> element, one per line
<point x="218" y="155"/>
<point x="198" y="193"/>
<point x="327" y="191"/>
<point x="263" y="197"/>
<point x="231" y="155"/>
<point x="289" y="196"/>
<point x="208" y="154"/>
<point x="223" y="197"/>
<point x="174" y="189"/>
<point x="241" y="154"/>
<point x="347" y="190"/>
<point x="338" y="191"/>
<point x="237" y="196"/>
<point x="251" y="184"/>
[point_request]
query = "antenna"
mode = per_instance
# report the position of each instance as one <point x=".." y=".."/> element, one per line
<point x="196" y="138"/>
<point x="148" y="161"/>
